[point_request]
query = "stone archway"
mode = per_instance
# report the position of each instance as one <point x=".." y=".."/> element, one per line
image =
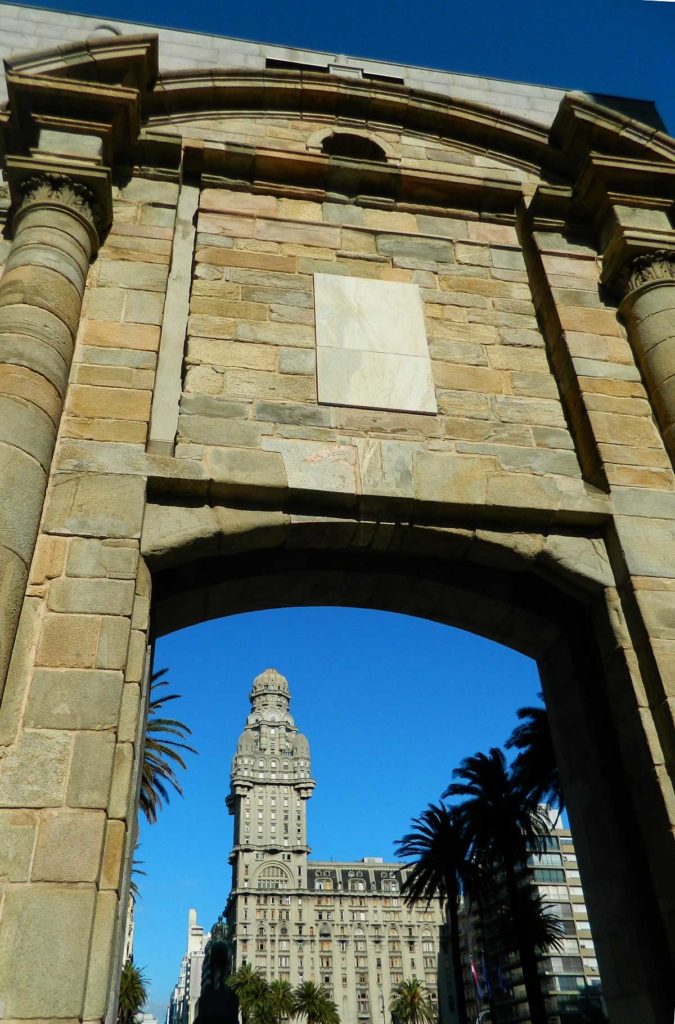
<point x="175" y="282"/>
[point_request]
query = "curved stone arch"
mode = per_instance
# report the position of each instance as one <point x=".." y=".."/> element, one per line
<point x="316" y="140"/>
<point x="531" y="592"/>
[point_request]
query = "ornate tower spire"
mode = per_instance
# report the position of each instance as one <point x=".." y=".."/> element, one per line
<point x="270" y="784"/>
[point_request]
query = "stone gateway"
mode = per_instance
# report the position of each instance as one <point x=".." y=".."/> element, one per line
<point x="298" y="331"/>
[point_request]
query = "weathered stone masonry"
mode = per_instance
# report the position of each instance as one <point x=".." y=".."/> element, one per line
<point x="165" y="457"/>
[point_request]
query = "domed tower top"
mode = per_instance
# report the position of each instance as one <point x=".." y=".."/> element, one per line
<point x="270" y="688"/>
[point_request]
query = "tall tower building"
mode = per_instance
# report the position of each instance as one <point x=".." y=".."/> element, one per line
<point x="270" y="784"/>
<point x="342" y="925"/>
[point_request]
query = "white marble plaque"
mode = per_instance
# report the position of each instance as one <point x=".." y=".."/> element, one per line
<point x="372" y="348"/>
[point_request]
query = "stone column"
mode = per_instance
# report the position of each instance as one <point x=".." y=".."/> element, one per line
<point x="41" y="292"/>
<point x="648" y="310"/>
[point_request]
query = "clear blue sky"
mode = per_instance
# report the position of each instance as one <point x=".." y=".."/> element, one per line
<point x="390" y="705"/>
<point x="622" y="47"/>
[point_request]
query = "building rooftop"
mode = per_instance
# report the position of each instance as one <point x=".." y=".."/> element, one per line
<point x="24" y="29"/>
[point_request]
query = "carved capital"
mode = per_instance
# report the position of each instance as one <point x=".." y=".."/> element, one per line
<point x="649" y="267"/>
<point x="62" y="190"/>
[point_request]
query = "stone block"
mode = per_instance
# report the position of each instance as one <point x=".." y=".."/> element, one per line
<point x="137" y="359"/>
<point x="276" y="333"/>
<point x="292" y="231"/>
<point x="97" y="505"/>
<point x="206" y="430"/>
<point x="297" y="360"/>
<point x="125" y="431"/>
<point x="44" y="951"/>
<point x="262" y="384"/>
<point x="205" y="405"/>
<point x="102" y="596"/>
<point x="113" y="854"/>
<point x="143" y="190"/>
<point x="480" y="379"/>
<point x="17" y="838"/>
<point x="302" y="415"/>
<point x="288" y="296"/>
<point x="228" y="308"/>
<point x="120" y="791"/>
<point x="101" y="959"/>
<point x="245" y="468"/>
<point x="149" y="277"/>
<point x="74" y="699"/>
<point x="104" y="304"/>
<point x="49" y="558"/>
<point x="91" y="769"/>
<point x="23" y="479"/>
<point x="33" y="771"/>
<point x="102" y="558"/>
<point x="129" y="714"/>
<point x="423" y="249"/>
<point x="456" y="480"/>
<point x="315" y="466"/>
<point x="224" y="200"/>
<point x="259" y="261"/>
<point x="386" y="467"/>
<point x="22" y="652"/>
<point x="118" y="403"/>
<point x="113" y="642"/>
<point x="45" y="288"/>
<point x="144" y="307"/>
<point x="68" y="641"/>
<point x="232" y="353"/>
<point x="100" y="334"/>
<point x="33" y="388"/>
<point x="69" y="846"/>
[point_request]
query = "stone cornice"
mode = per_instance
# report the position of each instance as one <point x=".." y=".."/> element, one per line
<point x="314" y="176"/>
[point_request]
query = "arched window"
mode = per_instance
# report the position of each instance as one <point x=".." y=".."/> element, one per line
<point x="357" y="885"/>
<point x="272" y="877"/>
<point x="356" y="147"/>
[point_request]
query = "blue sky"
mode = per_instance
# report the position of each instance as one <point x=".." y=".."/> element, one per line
<point x="390" y="705"/>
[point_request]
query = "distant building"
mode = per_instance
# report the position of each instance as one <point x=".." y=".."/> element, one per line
<point x="571" y="977"/>
<point x="340" y="924"/>
<point x="186" y="993"/>
<point x="145" y="1018"/>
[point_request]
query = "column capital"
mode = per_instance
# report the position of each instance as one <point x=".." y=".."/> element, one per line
<point x="84" y="192"/>
<point x="652" y="267"/>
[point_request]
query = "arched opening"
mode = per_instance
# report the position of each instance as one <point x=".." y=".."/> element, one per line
<point x="546" y="611"/>
<point x="356" y="147"/>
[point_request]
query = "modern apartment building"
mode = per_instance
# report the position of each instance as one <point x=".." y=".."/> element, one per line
<point x="570" y="976"/>
<point x="182" y="1005"/>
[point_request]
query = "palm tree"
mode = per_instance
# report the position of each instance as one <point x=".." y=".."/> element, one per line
<point x="410" y="1004"/>
<point x="501" y="829"/>
<point x="161" y="753"/>
<point x="250" y="989"/>
<point x="545" y="930"/>
<point x="535" y="768"/>
<point x="312" y="1002"/>
<point x="281" y="1000"/>
<point x="439" y="848"/>
<point x="133" y="993"/>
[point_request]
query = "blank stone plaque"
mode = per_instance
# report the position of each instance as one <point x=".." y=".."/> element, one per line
<point x="371" y="343"/>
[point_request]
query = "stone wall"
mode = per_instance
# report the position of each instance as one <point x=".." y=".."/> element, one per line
<point x="195" y="471"/>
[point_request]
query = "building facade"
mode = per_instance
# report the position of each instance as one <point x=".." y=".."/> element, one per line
<point x="343" y="925"/>
<point x="182" y="1005"/>
<point x="570" y="975"/>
